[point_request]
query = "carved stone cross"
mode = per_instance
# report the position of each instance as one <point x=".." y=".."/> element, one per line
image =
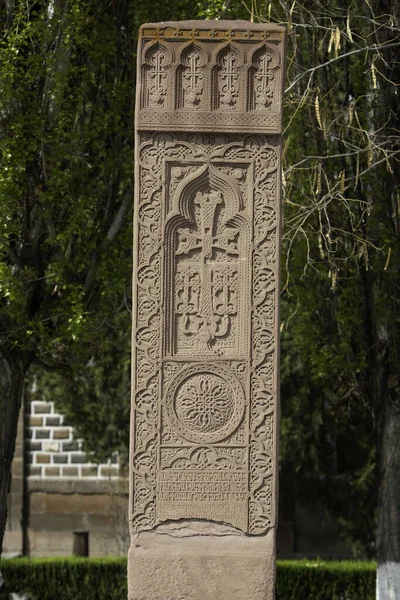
<point x="193" y="78"/>
<point x="205" y="349"/>
<point x="229" y="80"/>
<point x="157" y="75"/>
<point x="205" y="323"/>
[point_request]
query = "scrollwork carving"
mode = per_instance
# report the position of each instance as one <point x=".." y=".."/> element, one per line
<point x="207" y="220"/>
<point x="204" y="458"/>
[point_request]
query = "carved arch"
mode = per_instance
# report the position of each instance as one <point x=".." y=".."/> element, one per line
<point x="207" y="262"/>
<point x="191" y="78"/>
<point x="262" y="85"/>
<point x="156" y="77"/>
<point x="227" y="79"/>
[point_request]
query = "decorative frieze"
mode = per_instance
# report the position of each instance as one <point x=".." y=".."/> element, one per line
<point x="224" y="79"/>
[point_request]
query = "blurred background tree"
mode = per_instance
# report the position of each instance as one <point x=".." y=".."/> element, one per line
<point x="67" y="77"/>
<point x="66" y="114"/>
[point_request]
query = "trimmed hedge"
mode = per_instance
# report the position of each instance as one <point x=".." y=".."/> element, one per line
<point x="325" y="580"/>
<point x="105" y="579"/>
<point x="65" y="578"/>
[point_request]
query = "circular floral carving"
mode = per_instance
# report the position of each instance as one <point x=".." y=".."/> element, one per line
<point x="205" y="403"/>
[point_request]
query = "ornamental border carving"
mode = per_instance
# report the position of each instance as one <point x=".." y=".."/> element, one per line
<point x="257" y="375"/>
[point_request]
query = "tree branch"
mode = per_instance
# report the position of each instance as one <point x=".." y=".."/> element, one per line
<point x="311" y="72"/>
<point x="119" y="218"/>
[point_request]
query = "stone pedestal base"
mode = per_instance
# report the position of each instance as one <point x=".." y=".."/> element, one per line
<point x="196" y="560"/>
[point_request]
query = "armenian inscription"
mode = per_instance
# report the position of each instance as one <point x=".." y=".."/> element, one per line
<point x="206" y="275"/>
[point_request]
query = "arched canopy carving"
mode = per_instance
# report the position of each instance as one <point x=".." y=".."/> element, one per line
<point x="223" y="80"/>
<point x="156" y="76"/>
<point x="207" y="261"/>
<point x="262" y="85"/>
<point x="191" y="78"/>
<point x="227" y="79"/>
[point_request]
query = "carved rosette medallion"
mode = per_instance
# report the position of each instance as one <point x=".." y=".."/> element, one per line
<point x="206" y="275"/>
<point x="205" y="405"/>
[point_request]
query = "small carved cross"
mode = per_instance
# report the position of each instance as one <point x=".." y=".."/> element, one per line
<point x="193" y="74"/>
<point x="264" y="72"/>
<point x="229" y="72"/>
<point x="158" y="72"/>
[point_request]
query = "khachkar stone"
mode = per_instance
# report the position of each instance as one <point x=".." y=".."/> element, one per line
<point x="205" y="311"/>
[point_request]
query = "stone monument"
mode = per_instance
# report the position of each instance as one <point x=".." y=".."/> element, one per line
<point x="205" y="311"/>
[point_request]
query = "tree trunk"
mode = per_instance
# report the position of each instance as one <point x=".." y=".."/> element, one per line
<point x="12" y="373"/>
<point x="388" y="531"/>
<point x="388" y="534"/>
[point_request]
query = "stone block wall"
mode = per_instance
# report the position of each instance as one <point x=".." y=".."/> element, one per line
<point x="54" y="451"/>
<point x="56" y="488"/>
<point x="57" y="507"/>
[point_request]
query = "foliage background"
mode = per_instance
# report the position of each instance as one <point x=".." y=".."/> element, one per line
<point x="67" y="74"/>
